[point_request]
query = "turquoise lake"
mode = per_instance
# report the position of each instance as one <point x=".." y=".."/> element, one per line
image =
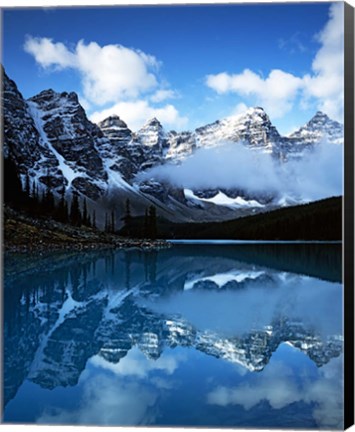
<point x="219" y="335"/>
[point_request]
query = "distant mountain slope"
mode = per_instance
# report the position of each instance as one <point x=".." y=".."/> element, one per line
<point x="320" y="220"/>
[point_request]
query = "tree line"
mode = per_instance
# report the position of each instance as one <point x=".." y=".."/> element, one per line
<point x="26" y="196"/>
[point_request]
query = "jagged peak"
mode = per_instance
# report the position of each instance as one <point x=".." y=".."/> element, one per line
<point x="50" y="94"/>
<point x="71" y="95"/>
<point x="113" y="117"/>
<point x="257" y="109"/>
<point x="249" y="113"/>
<point x="321" y="118"/>
<point x="43" y="93"/>
<point x="112" y="121"/>
<point x="319" y="115"/>
<point x="153" y="122"/>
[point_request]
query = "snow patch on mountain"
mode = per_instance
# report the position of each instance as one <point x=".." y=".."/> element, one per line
<point x="222" y="199"/>
<point x="68" y="172"/>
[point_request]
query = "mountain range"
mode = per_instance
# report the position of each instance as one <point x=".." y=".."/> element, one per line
<point x="50" y="138"/>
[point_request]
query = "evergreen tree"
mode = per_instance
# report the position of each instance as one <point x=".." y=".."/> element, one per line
<point x="128" y="210"/>
<point x="13" y="193"/>
<point x="27" y="185"/>
<point x="152" y="222"/>
<point x="127" y="218"/>
<point x="34" y="191"/>
<point x="75" y="214"/>
<point x="94" y="220"/>
<point x="113" y="225"/>
<point x="43" y="198"/>
<point x="85" y="213"/>
<point x="62" y="208"/>
<point x="106" y="223"/>
<point x="34" y="205"/>
<point x="89" y="221"/>
<point x="146" y="223"/>
<point x="49" y="202"/>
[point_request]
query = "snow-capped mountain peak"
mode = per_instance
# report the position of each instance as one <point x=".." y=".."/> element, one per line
<point x="152" y="134"/>
<point x="112" y="122"/>
<point x="153" y="123"/>
<point x="255" y="113"/>
<point x="68" y="141"/>
<point x="50" y="138"/>
<point x="252" y="127"/>
<point x="318" y="128"/>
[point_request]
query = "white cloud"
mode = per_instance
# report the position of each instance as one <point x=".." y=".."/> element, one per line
<point x="278" y="385"/>
<point x="123" y="393"/>
<point x="136" y="364"/>
<point x="228" y="165"/>
<point x="109" y="73"/>
<point x="279" y="91"/>
<point x="275" y="93"/>
<point x="233" y="165"/>
<point x="162" y="95"/>
<point x="275" y="385"/>
<point x="135" y="113"/>
<point x="112" y="74"/>
<point x="48" y="53"/>
<point x="241" y="108"/>
<point x="327" y="83"/>
<point x="107" y="401"/>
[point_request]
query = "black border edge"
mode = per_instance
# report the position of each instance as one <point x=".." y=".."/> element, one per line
<point x="348" y="209"/>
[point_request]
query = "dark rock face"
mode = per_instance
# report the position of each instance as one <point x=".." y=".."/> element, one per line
<point x="22" y="141"/>
<point x="116" y="152"/>
<point x="50" y="138"/>
<point x="67" y="131"/>
<point x="87" y="187"/>
<point x="155" y="189"/>
<point x="130" y="153"/>
<point x="118" y="133"/>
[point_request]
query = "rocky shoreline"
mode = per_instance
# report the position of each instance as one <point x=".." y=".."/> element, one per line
<point x="23" y="234"/>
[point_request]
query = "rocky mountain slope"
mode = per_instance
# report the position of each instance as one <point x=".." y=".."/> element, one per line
<point x="50" y="137"/>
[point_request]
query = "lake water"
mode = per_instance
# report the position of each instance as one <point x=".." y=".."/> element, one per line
<point x="204" y="335"/>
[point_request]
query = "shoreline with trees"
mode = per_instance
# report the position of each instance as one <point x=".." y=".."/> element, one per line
<point x="39" y="220"/>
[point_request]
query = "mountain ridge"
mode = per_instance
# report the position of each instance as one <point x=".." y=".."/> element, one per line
<point x="50" y="137"/>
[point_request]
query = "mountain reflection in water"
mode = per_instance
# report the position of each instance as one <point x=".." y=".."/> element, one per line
<point x="207" y="335"/>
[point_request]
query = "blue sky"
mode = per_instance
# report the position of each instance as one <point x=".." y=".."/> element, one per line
<point x="186" y="65"/>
